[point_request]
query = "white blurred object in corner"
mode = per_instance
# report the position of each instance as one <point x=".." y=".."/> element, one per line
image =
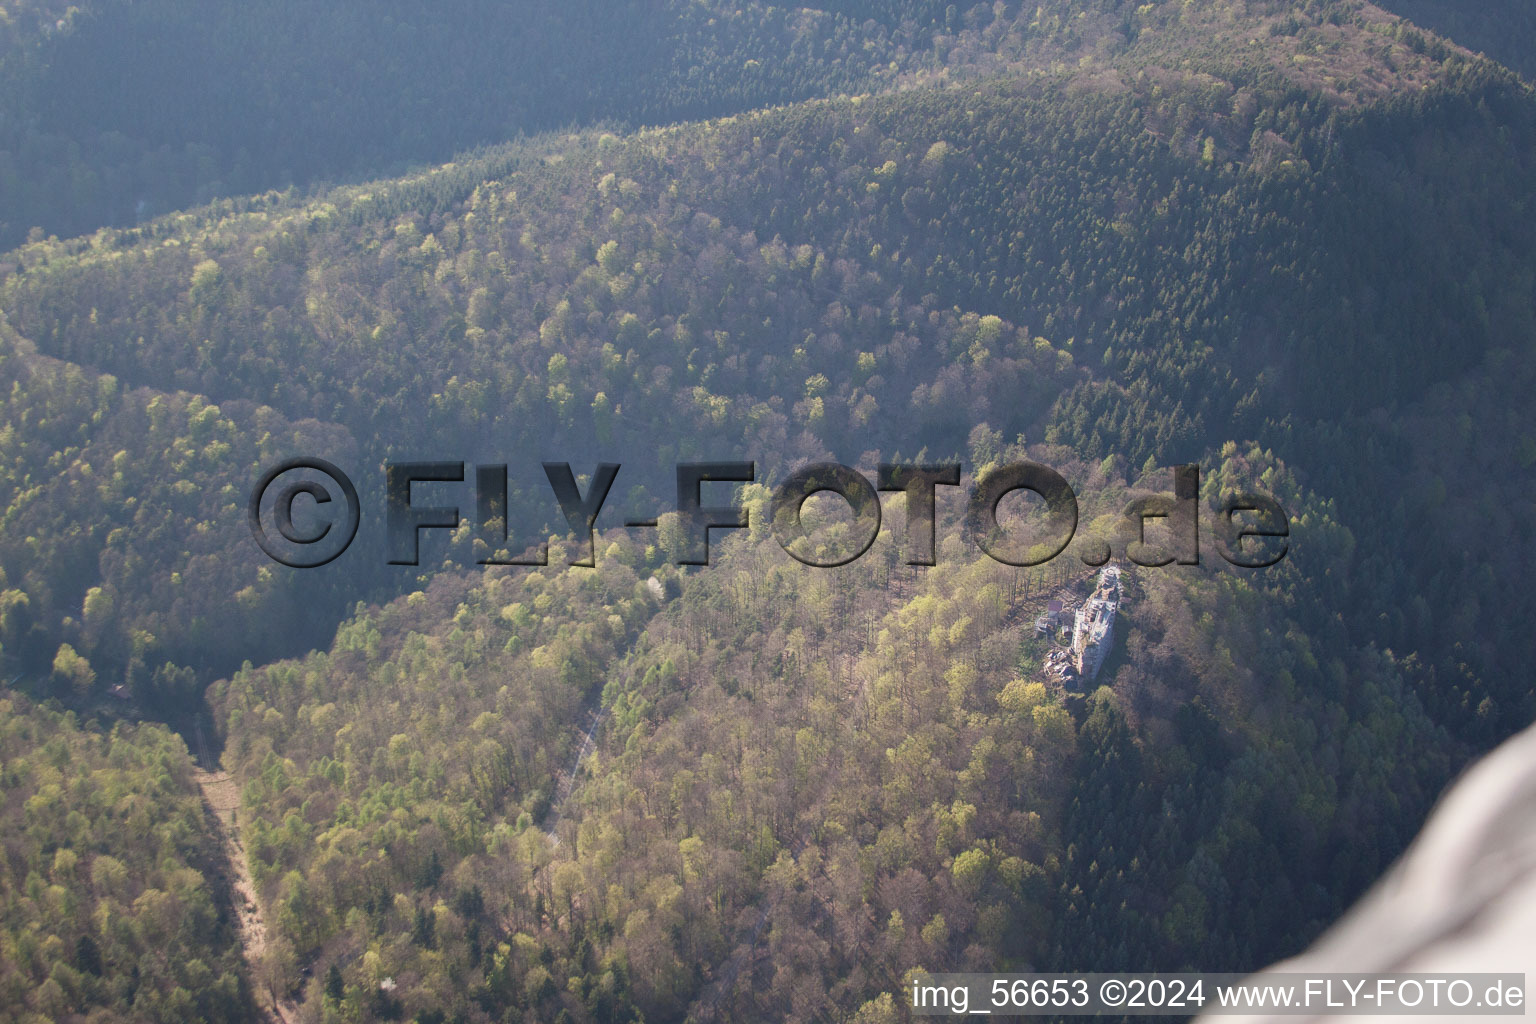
<point x="1461" y="899"/>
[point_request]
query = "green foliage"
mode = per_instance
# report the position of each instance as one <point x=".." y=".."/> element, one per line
<point x="261" y="99"/>
<point x="773" y="736"/>
<point x="389" y="784"/>
<point x="124" y="529"/>
<point x="1213" y="823"/>
<point x="71" y="670"/>
<point x="1503" y="29"/>
<point x="1148" y="238"/>
<point x="109" y="901"/>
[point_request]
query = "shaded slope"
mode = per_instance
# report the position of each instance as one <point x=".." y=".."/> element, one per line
<point x="1503" y="29"/>
<point x="887" y="274"/>
<point x="118" y="112"/>
<point x="1248" y="262"/>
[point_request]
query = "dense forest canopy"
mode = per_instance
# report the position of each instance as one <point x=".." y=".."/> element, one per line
<point x="1270" y="238"/>
<point x="110" y="896"/>
<point x="120" y="112"/>
<point x="1503" y="29"/>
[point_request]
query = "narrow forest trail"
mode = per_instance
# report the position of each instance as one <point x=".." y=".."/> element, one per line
<point x="595" y="714"/>
<point x="567" y="782"/>
<point x="221" y="794"/>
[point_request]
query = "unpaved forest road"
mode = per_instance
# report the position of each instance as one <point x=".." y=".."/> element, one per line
<point x="222" y="795"/>
<point x="566" y="783"/>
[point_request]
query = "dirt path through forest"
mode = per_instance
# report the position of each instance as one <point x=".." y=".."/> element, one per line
<point x="222" y="795"/>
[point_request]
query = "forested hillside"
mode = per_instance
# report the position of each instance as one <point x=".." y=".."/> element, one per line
<point x="109" y="896"/>
<point x="1503" y="29"/>
<point x="805" y="785"/>
<point x="118" y="112"/>
<point x="847" y="276"/>
<point x="1275" y="239"/>
<point x="124" y="529"/>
